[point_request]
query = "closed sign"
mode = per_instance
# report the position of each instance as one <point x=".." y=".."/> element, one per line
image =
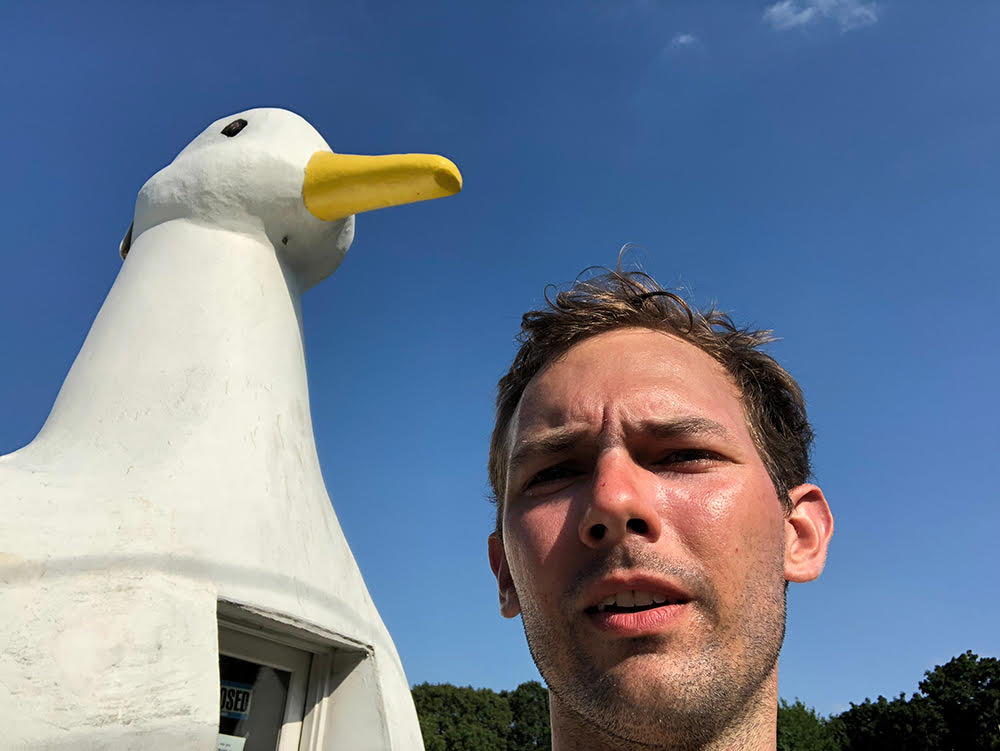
<point x="235" y="700"/>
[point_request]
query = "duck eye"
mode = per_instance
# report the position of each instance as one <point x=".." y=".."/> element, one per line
<point x="234" y="127"/>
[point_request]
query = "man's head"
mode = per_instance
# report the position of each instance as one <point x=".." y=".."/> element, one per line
<point x="775" y="409"/>
<point x="649" y="465"/>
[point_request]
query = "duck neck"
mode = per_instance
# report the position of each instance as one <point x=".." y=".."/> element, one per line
<point x="197" y="350"/>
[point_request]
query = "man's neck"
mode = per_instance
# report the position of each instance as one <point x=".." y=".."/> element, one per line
<point x="754" y="730"/>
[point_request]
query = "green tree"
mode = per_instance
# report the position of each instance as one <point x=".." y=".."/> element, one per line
<point x="800" y="728"/>
<point x="454" y="718"/>
<point x="906" y="725"/>
<point x="965" y="693"/>
<point x="956" y="709"/>
<point x="529" y="705"/>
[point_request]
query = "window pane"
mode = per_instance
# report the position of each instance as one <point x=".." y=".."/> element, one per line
<point x="252" y="702"/>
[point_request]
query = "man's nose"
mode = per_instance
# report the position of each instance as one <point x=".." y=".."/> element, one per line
<point x="622" y="502"/>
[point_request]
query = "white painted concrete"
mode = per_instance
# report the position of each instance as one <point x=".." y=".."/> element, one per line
<point x="178" y="467"/>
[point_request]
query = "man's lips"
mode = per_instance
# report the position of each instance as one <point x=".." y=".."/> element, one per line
<point x="631" y="591"/>
<point x="631" y="605"/>
<point x="654" y="620"/>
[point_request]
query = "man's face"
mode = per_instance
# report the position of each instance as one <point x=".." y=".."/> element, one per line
<point x="643" y="540"/>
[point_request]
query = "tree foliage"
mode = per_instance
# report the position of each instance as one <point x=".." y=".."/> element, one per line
<point x="957" y="708"/>
<point x="454" y="718"/>
<point x="965" y="693"/>
<point x="800" y="728"/>
<point x="907" y="725"/>
<point x="529" y="705"/>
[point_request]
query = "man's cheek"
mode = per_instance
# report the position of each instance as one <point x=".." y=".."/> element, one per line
<point x="723" y="519"/>
<point x="535" y="555"/>
<point x="544" y="529"/>
<point x="704" y="523"/>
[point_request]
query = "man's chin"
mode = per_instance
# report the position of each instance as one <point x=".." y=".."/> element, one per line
<point x="625" y="710"/>
<point x="669" y="701"/>
<point x="649" y="683"/>
<point x="622" y="698"/>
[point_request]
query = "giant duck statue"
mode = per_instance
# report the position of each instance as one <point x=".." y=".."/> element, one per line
<point x="172" y="573"/>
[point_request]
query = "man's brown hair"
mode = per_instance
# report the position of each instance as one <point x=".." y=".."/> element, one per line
<point x="772" y="400"/>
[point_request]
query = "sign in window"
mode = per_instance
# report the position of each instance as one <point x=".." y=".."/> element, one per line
<point x="261" y="694"/>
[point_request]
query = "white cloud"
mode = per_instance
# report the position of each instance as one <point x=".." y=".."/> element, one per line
<point x="680" y="41"/>
<point x="848" y="14"/>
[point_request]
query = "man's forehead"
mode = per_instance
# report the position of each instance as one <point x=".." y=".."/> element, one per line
<point x="640" y="375"/>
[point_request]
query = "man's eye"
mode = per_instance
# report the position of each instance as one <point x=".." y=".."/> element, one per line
<point x="551" y="474"/>
<point x="689" y="457"/>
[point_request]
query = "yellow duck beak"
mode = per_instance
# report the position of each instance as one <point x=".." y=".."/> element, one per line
<point x="338" y="185"/>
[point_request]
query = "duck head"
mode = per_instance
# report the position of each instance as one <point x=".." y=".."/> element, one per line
<point x="268" y="172"/>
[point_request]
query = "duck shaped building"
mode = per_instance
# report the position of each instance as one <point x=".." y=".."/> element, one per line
<point x="172" y="573"/>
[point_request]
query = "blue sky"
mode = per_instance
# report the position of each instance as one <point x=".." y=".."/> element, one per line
<point x="826" y="169"/>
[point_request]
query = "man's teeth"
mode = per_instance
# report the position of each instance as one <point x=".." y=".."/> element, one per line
<point x="632" y="598"/>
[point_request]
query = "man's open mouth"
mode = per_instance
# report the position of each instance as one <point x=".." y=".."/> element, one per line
<point x="633" y="601"/>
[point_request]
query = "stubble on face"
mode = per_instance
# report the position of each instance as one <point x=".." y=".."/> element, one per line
<point x="703" y="694"/>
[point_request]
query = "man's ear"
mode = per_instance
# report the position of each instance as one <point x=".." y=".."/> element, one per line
<point x="510" y="606"/>
<point x="808" y="528"/>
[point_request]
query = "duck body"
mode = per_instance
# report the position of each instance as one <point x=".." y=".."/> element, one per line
<point x="177" y="477"/>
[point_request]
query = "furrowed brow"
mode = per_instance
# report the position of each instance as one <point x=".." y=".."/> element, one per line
<point x="560" y="440"/>
<point x="685" y="427"/>
<point x="551" y="443"/>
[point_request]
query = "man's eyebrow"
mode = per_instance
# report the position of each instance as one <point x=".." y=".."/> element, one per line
<point x="550" y="443"/>
<point x="685" y="427"/>
<point x="559" y="440"/>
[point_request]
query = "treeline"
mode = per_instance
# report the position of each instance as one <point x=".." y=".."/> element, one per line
<point x="956" y="708"/>
<point x="454" y="718"/>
